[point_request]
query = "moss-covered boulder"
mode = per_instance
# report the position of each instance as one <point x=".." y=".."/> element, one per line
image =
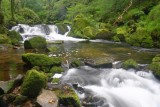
<point x="130" y="63"/>
<point x="44" y="62"/>
<point x="4" y="39"/>
<point x="35" y="43"/>
<point x="62" y="28"/>
<point x="15" y="37"/>
<point x="76" y="63"/>
<point x="67" y="97"/>
<point x="104" y="34"/>
<point x="56" y="69"/>
<point x="7" y="86"/>
<point x="155" y="66"/>
<point x="33" y="83"/>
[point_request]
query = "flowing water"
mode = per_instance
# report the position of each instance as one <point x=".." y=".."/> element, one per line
<point x="115" y="87"/>
<point x="97" y="87"/>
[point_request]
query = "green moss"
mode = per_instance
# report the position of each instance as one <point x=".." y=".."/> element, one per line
<point x="40" y="60"/>
<point x="36" y="43"/>
<point x="155" y="66"/>
<point x="20" y="100"/>
<point x="33" y="84"/>
<point x="67" y="97"/>
<point x="4" y="39"/>
<point x="55" y="80"/>
<point x="130" y="63"/>
<point x="56" y="69"/>
<point x="104" y="34"/>
<point x="76" y="63"/>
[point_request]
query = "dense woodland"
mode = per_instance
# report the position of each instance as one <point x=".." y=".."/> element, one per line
<point x="135" y="22"/>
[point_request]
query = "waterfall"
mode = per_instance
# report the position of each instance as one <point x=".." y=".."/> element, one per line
<point x="50" y="32"/>
<point x="116" y="87"/>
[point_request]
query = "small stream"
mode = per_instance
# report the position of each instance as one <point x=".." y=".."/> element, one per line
<point x="99" y="87"/>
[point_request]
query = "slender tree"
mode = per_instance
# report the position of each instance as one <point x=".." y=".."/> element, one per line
<point x="12" y="9"/>
<point x="0" y="5"/>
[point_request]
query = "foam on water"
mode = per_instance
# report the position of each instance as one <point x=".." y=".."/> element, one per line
<point x="119" y="88"/>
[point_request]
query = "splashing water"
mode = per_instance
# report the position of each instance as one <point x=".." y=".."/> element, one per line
<point x="117" y="87"/>
<point x="50" y="32"/>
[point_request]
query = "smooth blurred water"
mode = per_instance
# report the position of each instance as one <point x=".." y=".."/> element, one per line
<point x="117" y="87"/>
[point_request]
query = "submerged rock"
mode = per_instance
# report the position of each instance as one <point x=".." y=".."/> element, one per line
<point x="36" y="43"/>
<point x="33" y="84"/>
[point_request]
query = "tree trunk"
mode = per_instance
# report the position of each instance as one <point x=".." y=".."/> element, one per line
<point x="12" y="9"/>
<point x="0" y="5"/>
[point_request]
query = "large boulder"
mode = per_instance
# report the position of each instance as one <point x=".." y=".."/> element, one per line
<point x="35" y="43"/>
<point x="41" y="60"/>
<point x="62" y="28"/>
<point x="130" y="63"/>
<point x="155" y="66"/>
<point x="33" y="83"/>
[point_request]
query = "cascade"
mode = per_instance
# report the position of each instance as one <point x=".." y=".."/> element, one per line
<point x="114" y="87"/>
<point x="50" y="32"/>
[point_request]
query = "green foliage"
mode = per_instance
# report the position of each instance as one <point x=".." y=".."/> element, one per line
<point x="36" y="43"/>
<point x="4" y="39"/>
<point x="155" y="66"/>
<point x="1" y="18"/>
<point x="33" y="84"/>
<point x="140" y="38"/>
<point x="76" y="63"/>
<point x="130" y="63"/>
<point x="56" y="69"/>
<point x="15" y="37"/>
<point x="27" y="16"/>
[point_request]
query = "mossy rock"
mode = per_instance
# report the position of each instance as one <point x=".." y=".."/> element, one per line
<point x="36" y="43"/>
<point x="44" y="62"/>
<point x="20" y="100"/>
<point x="62" y="28"/>
<point x="40" y="60"/>
<point x="15" y="37"/>
<point x="67" y="97"/>
<point x="33" y="83"/>
<point x="76" y="63"/>
<point x="4" y="39"/>
<point x="89" y="32"/>
<point x="56" y="69"/>
<point x="104" y="34"/>
<point x="130" y="63"/>
<point x="155" y="66"/>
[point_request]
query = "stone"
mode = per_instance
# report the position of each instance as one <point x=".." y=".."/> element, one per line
<point x="47" y="99"/>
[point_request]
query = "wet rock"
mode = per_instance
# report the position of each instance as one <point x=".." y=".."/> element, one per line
<point x="19" y="100"/>
<point x="76" y="63"/>
<point x="6" y="99"/>
<point x="47" y="99"/>
<point x="6" y="86"/>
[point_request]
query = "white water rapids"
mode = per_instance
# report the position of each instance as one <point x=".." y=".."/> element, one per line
<point x="50" y="32"/>
<point x="117" y="87"/>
